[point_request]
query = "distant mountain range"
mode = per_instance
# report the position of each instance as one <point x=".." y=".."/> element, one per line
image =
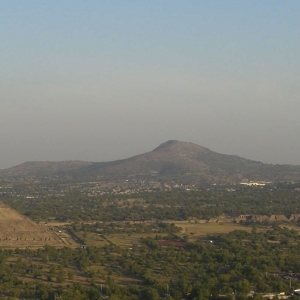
<point x="172" y="160"/>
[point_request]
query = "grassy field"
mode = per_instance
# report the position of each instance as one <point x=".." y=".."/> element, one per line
<point x="195" y="231"/>
<point x="291" y="226"/>
<point x="128" y="240"/>
<point x="192" y="230"/>
<point x="92" y="238"/>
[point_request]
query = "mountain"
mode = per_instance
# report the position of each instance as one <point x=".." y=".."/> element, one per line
<point x="44" y="168"/>
<point x="172" y="160"/>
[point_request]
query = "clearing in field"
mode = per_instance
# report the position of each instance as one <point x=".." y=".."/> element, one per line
<point x="191" y="230"/>
<point x="195" y="231"/>
<point x="128" y="241"/>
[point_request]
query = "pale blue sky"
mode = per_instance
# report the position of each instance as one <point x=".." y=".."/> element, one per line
<point x="104" y="80"/>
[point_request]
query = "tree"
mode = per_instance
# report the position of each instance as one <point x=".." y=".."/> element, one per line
<point x="150" y="294"/>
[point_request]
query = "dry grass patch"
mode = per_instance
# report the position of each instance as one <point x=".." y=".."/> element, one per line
<point x="125" y="240"/>
<point x="92" y="238"/>
<point x="200" y="230"/>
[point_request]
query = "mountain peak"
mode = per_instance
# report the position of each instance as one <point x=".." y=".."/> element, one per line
<point x="167" y="144"/>
<point x="186" y="147"/>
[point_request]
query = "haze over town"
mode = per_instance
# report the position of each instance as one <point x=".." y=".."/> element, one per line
<point x="104" y="80"/>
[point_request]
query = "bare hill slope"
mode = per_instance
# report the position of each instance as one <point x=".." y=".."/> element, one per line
<point x="43" y="168"/>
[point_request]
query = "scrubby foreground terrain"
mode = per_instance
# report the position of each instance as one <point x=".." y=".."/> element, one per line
<point x="167" y="243"/>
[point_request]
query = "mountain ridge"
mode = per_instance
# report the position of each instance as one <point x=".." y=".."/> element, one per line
<point x="172" y="160"/>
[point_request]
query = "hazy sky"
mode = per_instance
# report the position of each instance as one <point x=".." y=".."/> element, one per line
<point x="104" y="80"/>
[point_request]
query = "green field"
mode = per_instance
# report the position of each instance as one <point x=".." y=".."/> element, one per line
<point x="193" y="231"/>
<point x="196" y="231"/>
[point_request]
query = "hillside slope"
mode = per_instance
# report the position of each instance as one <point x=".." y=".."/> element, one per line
<point x="172" y="160"/>
<point x="189" y="162"/>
